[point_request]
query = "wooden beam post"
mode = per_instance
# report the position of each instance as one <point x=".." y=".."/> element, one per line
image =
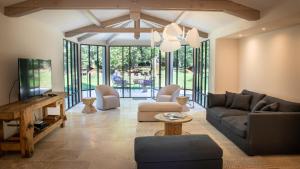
<point x="137" y="26"/>
<point x="227" y="6"/>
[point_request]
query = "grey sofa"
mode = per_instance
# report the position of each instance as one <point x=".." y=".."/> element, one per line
<point x="177" y="152"/>
<point x="258" y="132"/>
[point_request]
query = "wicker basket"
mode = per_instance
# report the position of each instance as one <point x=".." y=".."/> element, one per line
<point x="182" y="100"/>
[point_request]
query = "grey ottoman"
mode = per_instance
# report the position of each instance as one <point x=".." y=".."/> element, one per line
<point x="177" y="152"/>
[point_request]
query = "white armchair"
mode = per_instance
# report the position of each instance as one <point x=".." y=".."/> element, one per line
<point x="168" y="93"/>
<point x="107" y="97"/>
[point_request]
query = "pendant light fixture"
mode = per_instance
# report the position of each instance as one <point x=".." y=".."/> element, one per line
<point x="173" y="35"/>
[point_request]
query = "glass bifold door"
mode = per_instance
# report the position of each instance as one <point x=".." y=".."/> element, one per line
<point x="92" y="67"/>
<point x="71" y="73"/>
<point x="137" y="71"/>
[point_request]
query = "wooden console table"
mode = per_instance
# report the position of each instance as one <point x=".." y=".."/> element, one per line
<point x="24" y="113"/>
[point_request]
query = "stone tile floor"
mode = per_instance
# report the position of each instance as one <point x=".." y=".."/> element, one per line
<point x="104" y="140"/>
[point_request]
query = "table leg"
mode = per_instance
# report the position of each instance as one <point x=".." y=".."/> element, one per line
<point x="45" y="112"/>
<point x="62" y="113"/>
<point x="173" y="128"/>
<point x="26" y="133"/>
<point x="1" y="135"/>
<point x="89" y="108"/>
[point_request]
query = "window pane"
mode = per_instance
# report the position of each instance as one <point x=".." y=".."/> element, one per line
<point x="84" y="67"/>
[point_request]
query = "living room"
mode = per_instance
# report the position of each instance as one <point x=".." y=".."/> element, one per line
<point x="230" y="91"/>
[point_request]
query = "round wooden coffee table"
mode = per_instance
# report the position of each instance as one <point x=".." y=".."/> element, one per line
<point x="89" y="108"/>
<point x="172" y="127"/>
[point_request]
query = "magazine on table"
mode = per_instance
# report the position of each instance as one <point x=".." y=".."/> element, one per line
<point x="174" y="116"/>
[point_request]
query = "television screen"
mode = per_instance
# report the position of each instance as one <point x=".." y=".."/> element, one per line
<point x="35" y="77"/>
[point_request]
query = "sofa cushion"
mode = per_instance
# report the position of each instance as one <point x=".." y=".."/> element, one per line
<point x="220" y="112"/>
<point x="256" y="97"/>
<point x="215" y="100"/>
<point x="284" y="106"/>
<point x="176" y="148"/>
<point x="271" y="107"/>
<point x="159" y="107"/>
<point x="229" y="98"/>
<point x="241" y="102"/>
<point x="259" y="105"/>
<point x="237" y="124"/>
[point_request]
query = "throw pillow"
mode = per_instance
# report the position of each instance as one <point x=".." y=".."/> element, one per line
<point x="271" y="107"/>
<point x="216" y="100"/>
<point x="259" y="105"/>
<point x="256" y="97"/>
<point x="229" y="98"/>
<point x="241" y="102"/>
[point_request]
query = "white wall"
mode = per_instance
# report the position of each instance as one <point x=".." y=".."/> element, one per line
<point x="23" y="37"/>
<point x="270" y="63"/>
<point x="226" y="65"/>
<point x="282" y="14"/>
<point x="26" y="38"/>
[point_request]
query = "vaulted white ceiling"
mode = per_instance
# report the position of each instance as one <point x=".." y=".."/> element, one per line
<point x="65" y="20"/>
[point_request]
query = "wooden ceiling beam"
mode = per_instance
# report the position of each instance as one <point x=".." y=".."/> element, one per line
<point x="95" y="29"/>
<point x="164" y="22"/>
<point x="180" y="17"/>
<point x="115" y="21"/>
<point x="113" y="36"/>
<point x="154" y="19"/>
<point x="227" y="6"/>
<point x="104" y="24"/>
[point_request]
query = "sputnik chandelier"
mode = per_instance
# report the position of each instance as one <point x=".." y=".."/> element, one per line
<point x="173" y="36"/>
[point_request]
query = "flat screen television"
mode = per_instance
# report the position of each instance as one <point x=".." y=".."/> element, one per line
<point x="35" y="77"/>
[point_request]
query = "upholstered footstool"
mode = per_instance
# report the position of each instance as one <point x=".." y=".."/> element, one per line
<point x="147" y="110"/>
<point x="177" y="152"/>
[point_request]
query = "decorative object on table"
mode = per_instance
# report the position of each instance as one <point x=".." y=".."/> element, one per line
<point x="89" y="108"/>
<point x="173" y="126"/>
<point x="183" y="100"/>
<point x="173" y="35"/>
<point x="168" y="93"/>
<point x="174" y="116"/>
<point x="107" y="97"/>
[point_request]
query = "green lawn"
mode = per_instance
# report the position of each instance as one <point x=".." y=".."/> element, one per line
<point x="189" y="80"/>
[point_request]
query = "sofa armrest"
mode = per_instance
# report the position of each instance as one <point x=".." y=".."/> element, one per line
<point x="274" y="132"/>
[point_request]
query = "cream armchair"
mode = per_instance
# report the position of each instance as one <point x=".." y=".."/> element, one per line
<point x="168" y="93"/>
<point x="107" y="97"/>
